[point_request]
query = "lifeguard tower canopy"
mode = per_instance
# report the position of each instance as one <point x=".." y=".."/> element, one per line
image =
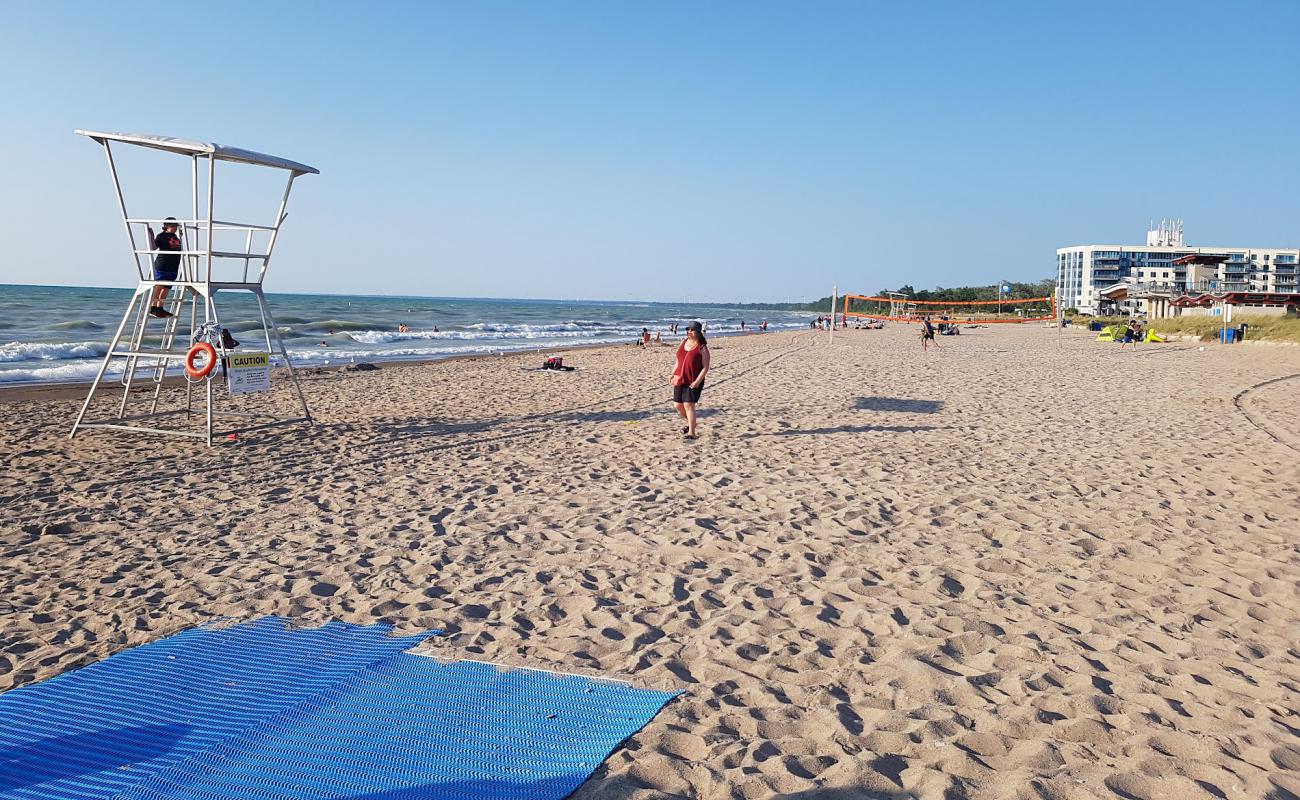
<point x="186" y="147"/>
<point x="173" y="316"/>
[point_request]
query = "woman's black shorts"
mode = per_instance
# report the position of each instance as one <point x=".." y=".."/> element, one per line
<point x="685" y="394"/>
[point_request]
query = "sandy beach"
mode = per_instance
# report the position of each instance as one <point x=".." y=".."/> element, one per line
<point x="1026" y="565"/>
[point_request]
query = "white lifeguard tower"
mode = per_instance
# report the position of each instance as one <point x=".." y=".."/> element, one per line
<point x="211" y="260"/>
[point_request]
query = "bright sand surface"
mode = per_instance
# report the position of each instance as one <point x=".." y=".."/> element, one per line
<point x="1026" y="565"/>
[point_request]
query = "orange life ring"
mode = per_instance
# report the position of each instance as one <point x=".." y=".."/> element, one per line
<point x="199" y="373"/>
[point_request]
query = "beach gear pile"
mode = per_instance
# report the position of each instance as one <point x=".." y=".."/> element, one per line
<point x="1116" y="333"/>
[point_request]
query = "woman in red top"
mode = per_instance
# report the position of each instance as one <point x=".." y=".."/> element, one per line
<point x="688" y="378"/>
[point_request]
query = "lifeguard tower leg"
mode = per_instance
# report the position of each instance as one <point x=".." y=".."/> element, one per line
<point x="137" y="335"/>
<point x="293" y="375"/>
<point x="99" y="376"/>
<point x="168" y="342"/>
<point x="207" y="386"/>
<point x="194" y="321"/>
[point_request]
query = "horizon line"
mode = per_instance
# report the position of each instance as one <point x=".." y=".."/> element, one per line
<point x="461" y="297"/>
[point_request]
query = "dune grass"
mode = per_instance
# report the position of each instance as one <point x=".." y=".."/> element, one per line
<point x="1260" y="328"/>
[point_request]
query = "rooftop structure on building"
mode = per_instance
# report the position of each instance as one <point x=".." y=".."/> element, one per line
<point x="1125" y="278"/>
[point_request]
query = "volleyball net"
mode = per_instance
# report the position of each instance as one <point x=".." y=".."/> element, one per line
<point x="897" y="308"/>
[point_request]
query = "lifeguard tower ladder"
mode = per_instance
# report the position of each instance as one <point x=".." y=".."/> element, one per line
<point x="144" y="346"/>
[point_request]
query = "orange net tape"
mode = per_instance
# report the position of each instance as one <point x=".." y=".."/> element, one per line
<point x="950" y="307"/>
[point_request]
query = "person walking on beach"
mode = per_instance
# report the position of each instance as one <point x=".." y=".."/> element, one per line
<point x="688" y="378"/>
<point x="927" y="334"/>
<point x="165" y="265"/>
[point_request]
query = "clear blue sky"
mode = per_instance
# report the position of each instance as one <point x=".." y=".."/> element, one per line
<point x="662" y="150"/>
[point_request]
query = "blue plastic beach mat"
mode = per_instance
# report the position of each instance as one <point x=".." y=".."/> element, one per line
<point x="264" y="711"/>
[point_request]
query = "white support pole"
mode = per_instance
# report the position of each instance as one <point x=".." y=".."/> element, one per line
<point x="266" y="326"/>
<point x="121" y="204"/>
<point x="1059" y="316"/>
<point x="835" y="291"/>
<point x="207" y="382"/>
<point x="279" y="220"/>
<point x="284" y="352"/>
<point x="193" y="261"/>
<point x="137" y="339"/>
<point x="189" y="385"/>
<point x="212" y="174"/>
<point x="103" y="367"/>
<point x="210" y="311"/>
<point x="137" y="334"/>
<point x="248" y="248"/>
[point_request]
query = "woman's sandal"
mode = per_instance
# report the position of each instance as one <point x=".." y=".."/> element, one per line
<point x="690" y="437"/>
<point x="686" y="429"/>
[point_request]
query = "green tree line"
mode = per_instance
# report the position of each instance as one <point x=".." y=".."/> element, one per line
<point x="1042" y="288"/>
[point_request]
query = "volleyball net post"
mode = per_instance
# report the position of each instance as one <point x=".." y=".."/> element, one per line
<point x="835" y="290"/>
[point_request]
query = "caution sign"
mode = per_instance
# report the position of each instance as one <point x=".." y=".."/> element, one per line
<point x="249" y="372"/>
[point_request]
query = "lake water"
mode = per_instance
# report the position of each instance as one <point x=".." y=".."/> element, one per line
<point x="52" y="334"/>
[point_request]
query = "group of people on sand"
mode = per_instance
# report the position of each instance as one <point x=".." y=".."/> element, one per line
<point x="825" y="321"/>
<point x="646" y="337"/>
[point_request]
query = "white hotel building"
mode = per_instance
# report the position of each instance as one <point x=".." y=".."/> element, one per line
<point x="1083" y="272"/>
